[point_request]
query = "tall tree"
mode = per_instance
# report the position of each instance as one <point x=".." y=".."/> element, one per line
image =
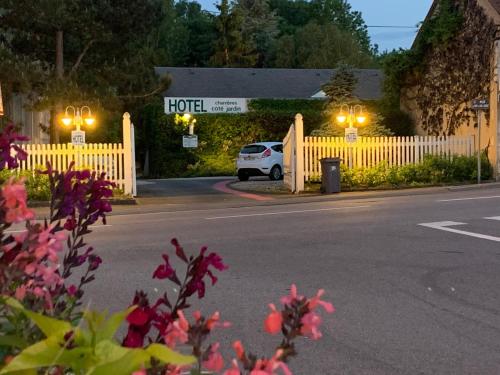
<point x="260" y="26"/>
<point x="78" y="51"/>
<point x="320" y="46"/>
<point x="232" y="49"/>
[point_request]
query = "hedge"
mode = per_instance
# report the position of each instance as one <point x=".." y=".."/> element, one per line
<point x="434" y="170"/>
<point x="220" y="136"/>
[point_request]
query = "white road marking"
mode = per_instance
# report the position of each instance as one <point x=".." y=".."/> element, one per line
<point x="23" y="230"/>
<point x="444" y="226"/>
<point x="15" y="231"/>
<point x="497" y="218"/>
<point x="286" y="212"/>
<point x="468" y="199"/>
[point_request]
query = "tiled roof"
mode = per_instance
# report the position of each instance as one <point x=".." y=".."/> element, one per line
<point x="262" y="83"/>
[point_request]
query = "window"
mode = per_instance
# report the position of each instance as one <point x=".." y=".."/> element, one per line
<point x="278" y="148"/>
<point x="253" y="149"/>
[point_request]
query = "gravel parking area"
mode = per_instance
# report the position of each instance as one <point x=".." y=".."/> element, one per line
<point x="263" y="185"/>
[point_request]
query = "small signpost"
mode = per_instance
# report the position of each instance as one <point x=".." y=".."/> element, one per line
<point x="78" y="137"/>
<point x="479" y="105"/>
<point x="351" y="135"/>
<point x="190" y="141"/>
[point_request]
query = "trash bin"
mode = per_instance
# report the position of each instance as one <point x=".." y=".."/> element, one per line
<point x="330" y="178"/>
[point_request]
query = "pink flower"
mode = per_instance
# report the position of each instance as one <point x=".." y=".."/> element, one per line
<point x="274" y="320"/>
<point x="215" y="361"/>
<point x="72" y="289"/>
<point x="140" y="372"/>
<point x="174" y="370"/>
<point x="316" y="301"/>
<point x="310" y="323"/>
<point x="177" y="332"/>
<point x="269" y="366"/>
<point x="240" y="351"/>
<point x="287" y="300"/>
<point x="14" y="202"/>
<point x="234" y="370"/>
<point x="213" y="322"/>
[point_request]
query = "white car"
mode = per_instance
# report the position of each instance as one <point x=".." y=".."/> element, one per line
<point x="260" y="159"/>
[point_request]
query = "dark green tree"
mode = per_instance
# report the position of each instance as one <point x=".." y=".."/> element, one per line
<point x="80" y="51"/>
<point x="340" y="88"/>
<point x="232" y="47"/>
<point x="260" y="26"/>
<point x="339" y="92"/>
<point x="320" y="46"/>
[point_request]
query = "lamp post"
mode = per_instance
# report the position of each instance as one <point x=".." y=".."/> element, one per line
<point x="78" y="117"/>
<point x="189" y="119"/>
<point x="351" y="114"/>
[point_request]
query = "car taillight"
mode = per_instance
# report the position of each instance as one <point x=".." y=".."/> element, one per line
<point x="266" y="153"/>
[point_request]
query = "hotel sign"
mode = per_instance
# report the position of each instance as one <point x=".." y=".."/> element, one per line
<point x="205" y="105"/>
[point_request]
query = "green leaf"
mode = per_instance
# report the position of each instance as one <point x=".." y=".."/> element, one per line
<point x="41" y="354"/>
<point x="46" y="353"/>
<point x="49" y="326"/>
<point x="132" y="360"/>
<point x="13" y="341"/>
<point x="167" y="355"/>
<point x="108" y="328"/>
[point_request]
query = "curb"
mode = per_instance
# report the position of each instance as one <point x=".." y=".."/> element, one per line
<point x="115" y="202"/>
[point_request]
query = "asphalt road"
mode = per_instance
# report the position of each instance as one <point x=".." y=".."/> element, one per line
<point x="410" y="299"/>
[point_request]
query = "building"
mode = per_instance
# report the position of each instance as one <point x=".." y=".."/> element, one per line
<point x="228" y="90"/>
<point x="30" y="123"/>
<point x="453" y="73"/>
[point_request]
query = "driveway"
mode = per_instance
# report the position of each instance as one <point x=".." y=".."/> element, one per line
<point x="202" y="190"/>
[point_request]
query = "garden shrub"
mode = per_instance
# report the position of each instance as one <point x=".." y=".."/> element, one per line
<point x="433" y="170"/>
<point x="221" y="136"/>
<point x="37" y="185"/>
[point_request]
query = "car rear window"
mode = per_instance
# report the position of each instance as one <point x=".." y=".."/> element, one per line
<point x="277" y="148"/>
<point x="253" y="149"/>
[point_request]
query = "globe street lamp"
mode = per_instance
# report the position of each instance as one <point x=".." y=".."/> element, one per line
<point x="80" y="115"/>
<point x="351" y="114"/>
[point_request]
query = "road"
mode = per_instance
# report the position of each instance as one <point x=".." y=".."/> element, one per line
<point x="415" y="292"/>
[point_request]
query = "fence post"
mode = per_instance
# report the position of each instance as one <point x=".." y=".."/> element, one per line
<point x="299" y="152"/>
<point x="132" y="144"/>
<point x="127" y="154"/>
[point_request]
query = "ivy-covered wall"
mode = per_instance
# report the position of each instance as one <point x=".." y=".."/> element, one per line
<point x="451" y="63"/>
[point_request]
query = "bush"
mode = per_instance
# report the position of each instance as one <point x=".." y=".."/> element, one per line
<point x="433" y="170"/>
<point x="37" y="185"/>
<point x="220" y="137"/>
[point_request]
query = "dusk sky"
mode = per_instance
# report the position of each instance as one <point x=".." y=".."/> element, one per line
<point x="392" y="13"/>
<point x="384" y="13"/>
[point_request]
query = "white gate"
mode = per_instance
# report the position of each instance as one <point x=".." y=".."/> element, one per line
<point x="293" y="156"/>
<point x="289" y="159"/>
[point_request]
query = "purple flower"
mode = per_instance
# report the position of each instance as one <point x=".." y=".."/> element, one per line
<point x="8" y="158"/>
<point x="94" y="262"/>
<point x="165" y="271"/>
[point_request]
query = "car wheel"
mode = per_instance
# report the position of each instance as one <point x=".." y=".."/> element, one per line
<point x="242" y="176"/>
<point x="275" y="173"/>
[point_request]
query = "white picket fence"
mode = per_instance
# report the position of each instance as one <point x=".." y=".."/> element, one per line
<point x="114" y="159"/>
<point x="302" y="156"/>
<point x="370" y="151"/>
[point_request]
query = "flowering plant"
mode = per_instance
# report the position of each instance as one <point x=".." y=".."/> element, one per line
<point x="42" y="324"/>
<point x="166" y="321"/>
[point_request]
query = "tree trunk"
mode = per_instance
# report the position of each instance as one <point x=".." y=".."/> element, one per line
<point x="54" y="126"/>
